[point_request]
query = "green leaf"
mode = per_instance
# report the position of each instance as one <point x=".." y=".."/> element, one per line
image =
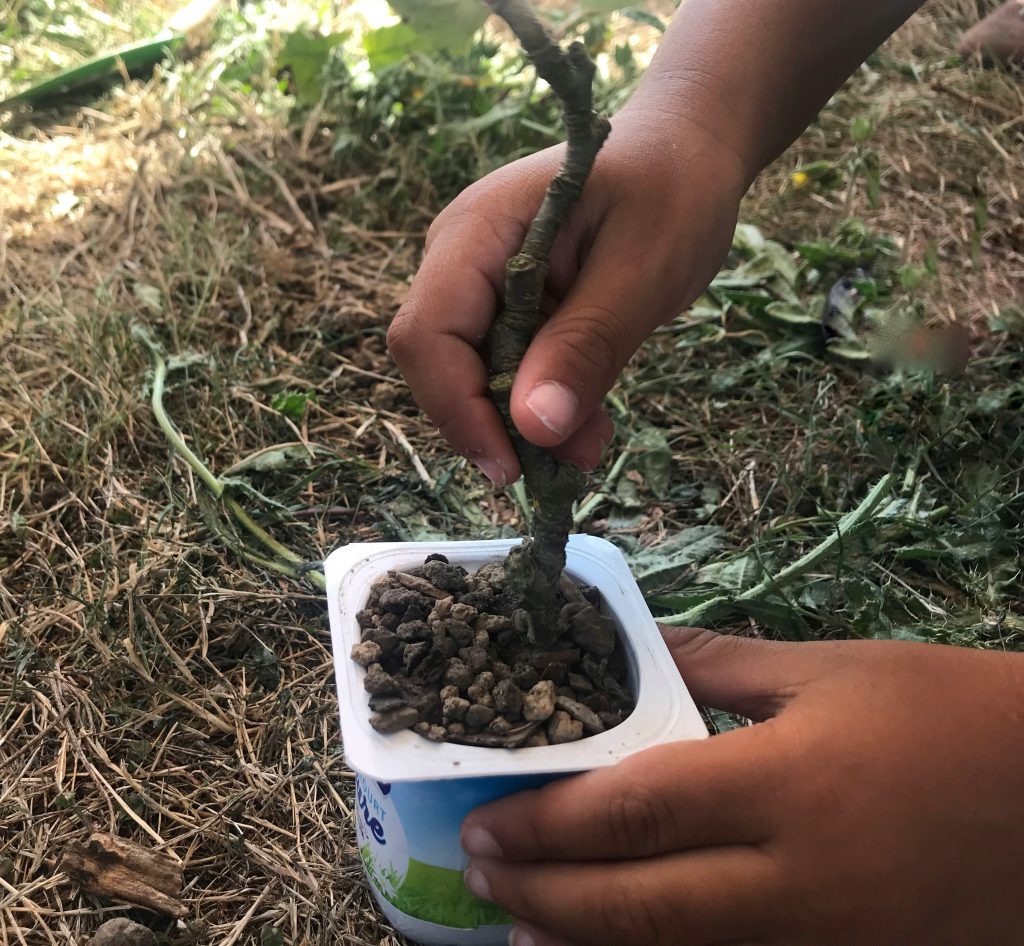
<point x="824" y="174"/>
<point x="821" y="253"/>
<point x="735" y="575"/>
<point x="624" y="56"/>
<point x="148" y="295"/>
<point x="748" y="239"/>
<point x="271" y="936"/>
<point x="652" y="458"/>
<point x="270" y="459"/>
<point x="503" y="111"/>
<point x="681" y="601"/>
<point x="777" y="614"/>
<point x="442" y="24"/>
<point x="861" y="128"/>
<point x="390" y="44"/>
<point x="791" y="314"/>
<point x="304" y="55"/>
<point x="134" y="58"/>
<point x="293" y="403"/>
<point x="659" y="566"/>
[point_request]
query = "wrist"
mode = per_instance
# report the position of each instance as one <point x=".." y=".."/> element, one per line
<point x="672" y="112"/>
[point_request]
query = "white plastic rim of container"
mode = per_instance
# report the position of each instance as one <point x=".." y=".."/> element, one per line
<point x="412" y="794"/>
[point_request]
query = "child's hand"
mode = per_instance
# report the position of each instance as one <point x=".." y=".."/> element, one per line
<point x="649" y="233"/>
<point x="879" y="803"/>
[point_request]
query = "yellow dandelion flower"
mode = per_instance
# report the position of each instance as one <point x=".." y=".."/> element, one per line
<point x="799" y="179"/>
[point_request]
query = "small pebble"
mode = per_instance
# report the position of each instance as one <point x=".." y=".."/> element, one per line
<point x="378" y="683"/>
<point x="429" y="731"/>
<point x="366" y="653"/>
<point x="386" y="640"/>
<point x="412" y="631"/>
<point x="395" y="720"/>
<point x="477" y="659"/>
<point x="508" y="698"/>
<point x="478" y="716"/>
<point x="402" y="600"/>
<point x="464" y="613"/>
<point x="486" y="681"/>
<point x="493" y="623"/>
<point x="524" y="676"/>
<point x="539" y="703"/>
<point x="458" y="674"/>
<point x="598" y="702"/>
<point x="499" y="726"/>
<point x="563" y="728"/>
<point x="454" y="709"/>
<point x="580" y="683"/>
<point x="442" y="609"/>
<point x="556" y="672"/>
<point x="123" y="932"/>
<point x="591" y="721"/>
<point x="418" y="584"/>
<point x="446" y="577"/>
<point x="412" y="655"/>
<point x="610" y="720"/>
<point x="460" y="632"/>
<point x="450" y="692"/>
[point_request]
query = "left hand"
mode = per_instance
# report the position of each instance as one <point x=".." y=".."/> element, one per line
<point x="877" y="802"/>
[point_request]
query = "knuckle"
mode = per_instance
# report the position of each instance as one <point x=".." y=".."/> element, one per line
<point x="403" y="333"/>
<point x="640" y="819"/>
<point x="595" y="336"/>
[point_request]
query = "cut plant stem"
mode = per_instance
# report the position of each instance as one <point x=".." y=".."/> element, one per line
<point x="286" y="561"/>
<point x="553" y="485"/>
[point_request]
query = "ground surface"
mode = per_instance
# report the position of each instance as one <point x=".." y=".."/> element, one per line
<point x="157" y="683"/>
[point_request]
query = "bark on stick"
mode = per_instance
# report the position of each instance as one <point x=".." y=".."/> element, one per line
<point x="553" y="485"/>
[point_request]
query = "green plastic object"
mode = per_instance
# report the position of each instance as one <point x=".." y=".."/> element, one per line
<point x="136" y="57"/>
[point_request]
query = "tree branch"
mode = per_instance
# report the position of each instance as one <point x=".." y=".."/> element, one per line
<point x="554" y="485"/>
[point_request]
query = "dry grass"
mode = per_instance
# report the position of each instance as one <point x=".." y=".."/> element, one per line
<point x="152" y="682"/>
<point x="949" y="140"/>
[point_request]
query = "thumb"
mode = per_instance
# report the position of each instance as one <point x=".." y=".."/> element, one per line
<point x="750" y="677"/>
<point x="620" y="296"/>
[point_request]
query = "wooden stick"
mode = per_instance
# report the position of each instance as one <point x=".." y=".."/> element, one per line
<point x="123" y="870"/>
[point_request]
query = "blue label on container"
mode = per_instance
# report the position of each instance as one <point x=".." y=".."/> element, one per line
<point x="408" y="834"/>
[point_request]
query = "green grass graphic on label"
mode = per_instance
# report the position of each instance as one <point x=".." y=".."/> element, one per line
<point x="436" y="895"/>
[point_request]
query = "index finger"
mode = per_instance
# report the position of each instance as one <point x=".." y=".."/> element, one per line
<point x="436" y="334"/>
<point x="674" y="797"/>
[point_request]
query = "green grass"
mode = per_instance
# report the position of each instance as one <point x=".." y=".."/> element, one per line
<point x="439" y="895"/>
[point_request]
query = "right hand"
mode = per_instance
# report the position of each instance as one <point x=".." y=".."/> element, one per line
<point x="651" y="230"/>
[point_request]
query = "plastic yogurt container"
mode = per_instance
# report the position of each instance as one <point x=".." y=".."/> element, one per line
<point x="412" y="794"/>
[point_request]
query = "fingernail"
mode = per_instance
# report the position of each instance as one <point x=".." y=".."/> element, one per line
<point x="554" y="405"/>
<point x="494" y="470"/>
<point x="479" y="842"/>
<point x="519" y="937"/>
<point x="477" y="883"/>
